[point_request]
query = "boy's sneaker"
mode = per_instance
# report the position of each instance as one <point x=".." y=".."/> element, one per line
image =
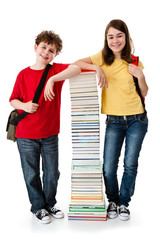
<point x="43" y="216"/>
<point x="56" y="212"/>
<point x="112" y="210"/>
<point x="123" y="213"/>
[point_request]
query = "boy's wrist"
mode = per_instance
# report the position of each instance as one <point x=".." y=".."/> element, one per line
<point x="52" y="79"/>
<point x="22" y="106"/>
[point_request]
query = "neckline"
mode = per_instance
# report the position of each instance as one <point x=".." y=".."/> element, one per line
<point x="36" y="69"/>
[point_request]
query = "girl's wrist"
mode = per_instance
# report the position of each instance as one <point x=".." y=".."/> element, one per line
<point x="141" y="76"/>
<point x="97" y="68"/>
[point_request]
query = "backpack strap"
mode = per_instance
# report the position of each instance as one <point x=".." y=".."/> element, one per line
<point x="37" y="95"/>
<point x="136" y="60"/>
<point x="41" y="84"/>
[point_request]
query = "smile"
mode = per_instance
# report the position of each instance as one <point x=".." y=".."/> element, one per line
<point x="116" y="46"/>
<point x="46" y="58"/>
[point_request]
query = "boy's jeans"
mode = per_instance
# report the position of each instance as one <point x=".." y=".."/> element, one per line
<point x="133" y="130"/>
<point x="41" y="193"/>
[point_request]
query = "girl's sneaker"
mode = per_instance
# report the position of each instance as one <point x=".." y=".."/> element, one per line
<point x="112" y="210"/>
<point x="56" y="212"/>
<point x="43" y="216"/>
<point x="123" y="213"/>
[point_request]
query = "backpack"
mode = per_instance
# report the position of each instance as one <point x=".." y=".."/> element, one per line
<point x="136" y="60"/>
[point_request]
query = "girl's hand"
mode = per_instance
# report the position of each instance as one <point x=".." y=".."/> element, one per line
<point x="138" y="73"/>
<point x="102" y="79"/>
<point x="48" y="91"/>
<point x="135" y="71"/>
<point x="30" y="107"/>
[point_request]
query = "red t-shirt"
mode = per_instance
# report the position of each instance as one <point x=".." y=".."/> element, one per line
<point x="45" y="122"/>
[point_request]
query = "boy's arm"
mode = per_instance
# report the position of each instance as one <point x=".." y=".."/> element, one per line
<point x="29" y="107"/>
<point x="71" y="71"/>
<point x="86" y="64"/>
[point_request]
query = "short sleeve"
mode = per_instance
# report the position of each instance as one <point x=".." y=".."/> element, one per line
<point x="64" y="66"/>
<point x="16" y="93"/>
<point x="59" y="67"/>
<point x="97" y="59"/>
<point x="140" y="64"/>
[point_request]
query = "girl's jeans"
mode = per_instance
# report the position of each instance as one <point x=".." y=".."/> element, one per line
<point x="132" y="129"/>
<point x="41" y="192"/>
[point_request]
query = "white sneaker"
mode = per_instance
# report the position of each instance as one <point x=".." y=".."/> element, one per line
<point x="123" y="213"/>
<point x="56" y="212"/>
<point x="43" y="216"/>
<point x="112" y="210"/>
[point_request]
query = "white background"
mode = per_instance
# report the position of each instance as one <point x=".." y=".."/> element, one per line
<point x="81" y="25"/>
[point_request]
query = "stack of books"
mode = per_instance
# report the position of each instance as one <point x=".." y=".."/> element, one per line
<point x="87" y="201"/>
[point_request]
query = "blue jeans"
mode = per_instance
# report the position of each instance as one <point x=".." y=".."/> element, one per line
<point x="132" y="130"/>
<point x="41" y="192"/>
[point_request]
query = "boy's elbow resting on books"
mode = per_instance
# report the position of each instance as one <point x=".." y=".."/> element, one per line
<point x="75" y="67"/>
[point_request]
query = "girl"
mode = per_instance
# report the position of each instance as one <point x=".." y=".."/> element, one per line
<point x="126" y="117"/>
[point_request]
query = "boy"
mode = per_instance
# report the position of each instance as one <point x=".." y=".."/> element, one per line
<point x="37" y="133"/>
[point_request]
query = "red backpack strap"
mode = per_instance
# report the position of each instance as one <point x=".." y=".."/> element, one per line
<point x="136" y="60"/>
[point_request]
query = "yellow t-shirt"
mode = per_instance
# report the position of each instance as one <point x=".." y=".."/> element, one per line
<point x="121" y="97"/>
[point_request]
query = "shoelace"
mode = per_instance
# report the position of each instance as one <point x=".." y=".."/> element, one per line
<point x="55" y="210"/>
<point x="123" y="209"/>
<point x="42" y="212"/>
<point x="112" y="206"/>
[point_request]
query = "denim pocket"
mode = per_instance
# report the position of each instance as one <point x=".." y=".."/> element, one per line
<point x="143" y="120"/>
<point x="111" y="121"/>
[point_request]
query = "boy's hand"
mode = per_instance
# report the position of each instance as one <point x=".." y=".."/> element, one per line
<point x="102" y="79"/>
<point x="48" y="91"/>
<point x="30" y="107"/>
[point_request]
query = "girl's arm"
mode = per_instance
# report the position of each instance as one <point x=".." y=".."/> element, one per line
<point x="86" y="64"/>
<point x="138" y="73"/>
<point x="29" y="107"/>
<point x="71" y="71"/>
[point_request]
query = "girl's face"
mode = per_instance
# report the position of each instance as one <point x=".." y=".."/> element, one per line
<point x="116" y="41"/>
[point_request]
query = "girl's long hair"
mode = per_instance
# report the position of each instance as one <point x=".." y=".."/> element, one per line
<point x="128" y="48"/>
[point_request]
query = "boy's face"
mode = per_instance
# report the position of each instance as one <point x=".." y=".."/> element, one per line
<point x="45" y="52"/>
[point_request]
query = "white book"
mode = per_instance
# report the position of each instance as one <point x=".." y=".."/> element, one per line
<point x="84" y="98"/>
<point x="80" y="108"/>
<point x="85" y="117"/>
<point x="85" y="150"/>
<point x="85" y="133"/>
<point x="83" y="102"/>
<point x="85" y="156"/>
<point x="85" y="137"/>
<point x="78" y="126"/>
<point x="84" y="94"/>
<point x="85" y="162"/>
<point x="91" y="174"/>
<point x="89" y="109"/>
<point x="81" y="90"/>
<point x="85" y="112"/>
<point x="83" y="76"/>
<point x="89" y="144"/>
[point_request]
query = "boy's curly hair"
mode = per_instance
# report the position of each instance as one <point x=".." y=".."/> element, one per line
<point x="49" y="37"/>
